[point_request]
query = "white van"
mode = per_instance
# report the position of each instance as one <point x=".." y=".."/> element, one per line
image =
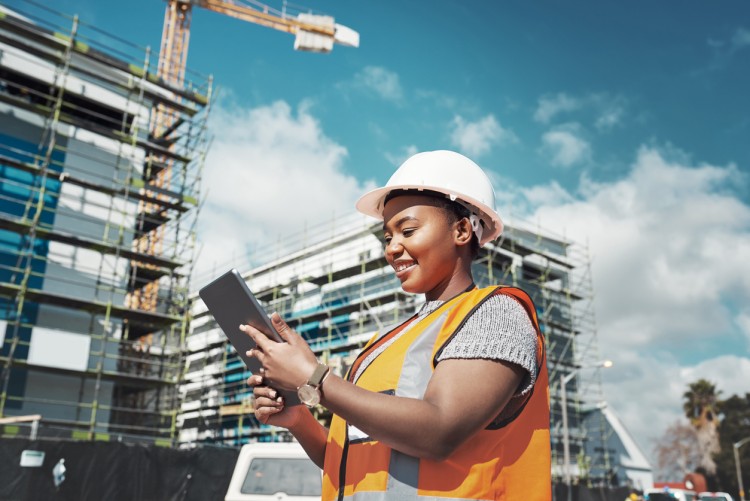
<point x="714" y="496"/>
<point x="669" y="494"/>
<point x="274" y="471"/>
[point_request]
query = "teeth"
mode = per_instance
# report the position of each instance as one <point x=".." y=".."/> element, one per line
<point x="403" y="266"/>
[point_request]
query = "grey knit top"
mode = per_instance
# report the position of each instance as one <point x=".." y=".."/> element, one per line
<point x="500" y="329"/>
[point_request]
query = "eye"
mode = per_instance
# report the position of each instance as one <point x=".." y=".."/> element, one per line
<point x="387" y="239"/>
<point x="408" y="231"/>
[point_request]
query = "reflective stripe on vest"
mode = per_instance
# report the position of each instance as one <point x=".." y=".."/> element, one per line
<point x="511" y="462"/>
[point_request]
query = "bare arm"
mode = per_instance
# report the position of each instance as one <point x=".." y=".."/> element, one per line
<point x="270" y="409"/>
<point x="462" y="397"/>
<point x="312" y="436"/>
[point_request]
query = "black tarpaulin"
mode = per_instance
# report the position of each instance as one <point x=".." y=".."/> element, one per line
<point x="116" y="471"/>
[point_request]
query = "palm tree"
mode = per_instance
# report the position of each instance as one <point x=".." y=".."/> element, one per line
<point x="702" y="398"/>
<point x="701" y="407"/>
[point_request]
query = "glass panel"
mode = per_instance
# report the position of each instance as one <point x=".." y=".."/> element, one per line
<point x="295" y="477"/>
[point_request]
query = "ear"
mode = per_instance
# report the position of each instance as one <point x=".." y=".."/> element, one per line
<point x="463" y="231"/>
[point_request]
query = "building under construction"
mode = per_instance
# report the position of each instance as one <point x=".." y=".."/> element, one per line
<point x="100" y="164"/>
<point x="337" y="290"/>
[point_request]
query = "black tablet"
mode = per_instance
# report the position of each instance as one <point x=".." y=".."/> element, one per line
<point x="231" y="302"/>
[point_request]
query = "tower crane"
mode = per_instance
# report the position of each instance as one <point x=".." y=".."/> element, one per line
<point x="313" y="32"/>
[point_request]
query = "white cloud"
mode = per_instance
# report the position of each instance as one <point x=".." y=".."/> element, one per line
<point x="565" y="147"/>
<point x="725" y="50"/>
<point x="269" y="171"/>
<point x="548" y="194"/>
<point x="609" y="116"/>
<point x="741" y="38"/>
<point x="438" y="99"/>
<point x="730" y="373"/>
<point x="743" y="322"/>
<point x="549" y="106"/>
<point x="608" y="111"/>
<point x="669" y="243"/>
<point x="382" y="81"/>
<point x="477" y="138"/>
<point x="398" y="158"/>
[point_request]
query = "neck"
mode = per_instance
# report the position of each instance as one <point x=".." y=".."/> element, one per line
<point x="456" y="285"/>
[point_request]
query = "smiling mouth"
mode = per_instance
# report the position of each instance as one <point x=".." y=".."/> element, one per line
<point x="402" y="268"/>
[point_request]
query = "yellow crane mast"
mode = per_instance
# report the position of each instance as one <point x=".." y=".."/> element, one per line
<point x="313" y="32"/>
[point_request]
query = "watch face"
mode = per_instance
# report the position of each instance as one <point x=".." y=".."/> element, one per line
<point x="308" y="395"/>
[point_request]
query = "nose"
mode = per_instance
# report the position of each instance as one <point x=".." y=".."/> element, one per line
<point x="393" y="249"/>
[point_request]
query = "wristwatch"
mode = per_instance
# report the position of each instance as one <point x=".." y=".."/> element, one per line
<point x="309" y="393"/>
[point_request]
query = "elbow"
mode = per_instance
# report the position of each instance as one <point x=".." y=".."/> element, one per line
<point x="434" y="449"/>
<point x="440" y="444"/>
<point x="439" y="450"/>
<point x="436" y="455"/>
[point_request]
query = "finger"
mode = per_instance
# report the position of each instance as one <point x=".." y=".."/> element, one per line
<point x="255" y="380"/>
<point x="264" y="400"/>
<point x="260" y="339"/>
<point x="282" y="327"/>
<point x="256" y="353"/>
<point x="266" y="391"/>
<point x="264" y="414"/>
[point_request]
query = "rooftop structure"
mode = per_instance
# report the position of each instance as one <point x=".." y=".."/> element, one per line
<point x="627" y="462"/>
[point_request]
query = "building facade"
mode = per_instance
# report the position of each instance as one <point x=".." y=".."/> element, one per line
<point x="96" y="242"/>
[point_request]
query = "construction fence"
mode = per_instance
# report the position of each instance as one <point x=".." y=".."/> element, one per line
<point x="124" y="472"/>
<point x="115" y="472"/>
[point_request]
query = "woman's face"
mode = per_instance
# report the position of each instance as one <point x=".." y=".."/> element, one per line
<point x="420" y="246"/>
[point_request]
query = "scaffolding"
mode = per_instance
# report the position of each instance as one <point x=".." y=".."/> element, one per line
<point x="556" y="272"/>
<point x="338" y="290"/>
<point x="93" y="314"/>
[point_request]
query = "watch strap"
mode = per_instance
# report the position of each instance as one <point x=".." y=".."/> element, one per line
<point x="318" y="375"/>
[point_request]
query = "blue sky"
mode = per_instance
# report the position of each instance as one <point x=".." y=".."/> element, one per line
<point x="622" y="124"/>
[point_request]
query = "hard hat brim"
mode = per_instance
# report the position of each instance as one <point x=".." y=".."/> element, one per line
<point x="372" y="204"/>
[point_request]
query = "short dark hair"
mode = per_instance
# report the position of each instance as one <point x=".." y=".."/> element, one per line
<point x="453" y="209"/>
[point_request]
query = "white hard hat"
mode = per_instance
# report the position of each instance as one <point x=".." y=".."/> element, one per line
<point x="445" y="172"/>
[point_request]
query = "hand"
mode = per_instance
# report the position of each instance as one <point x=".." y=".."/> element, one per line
<point x="286" y="365"/>
<point x="269" y="405"/>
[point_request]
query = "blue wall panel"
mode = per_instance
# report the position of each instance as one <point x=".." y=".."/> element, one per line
<point x="19" y="201"/>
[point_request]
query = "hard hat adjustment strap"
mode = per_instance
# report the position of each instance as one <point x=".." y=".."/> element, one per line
<point x="476" y="225"/>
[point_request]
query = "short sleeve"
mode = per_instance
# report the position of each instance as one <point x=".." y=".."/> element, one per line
<point x="500" y="329"/>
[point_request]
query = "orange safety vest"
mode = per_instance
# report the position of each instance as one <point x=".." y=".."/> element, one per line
<point x="507" y="461"/>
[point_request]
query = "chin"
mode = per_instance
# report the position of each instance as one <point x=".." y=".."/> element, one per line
<point x="412" y="288"/>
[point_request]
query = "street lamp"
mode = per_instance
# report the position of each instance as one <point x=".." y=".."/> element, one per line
<point x="564" y="380"/>
<point x="737" y="446"/>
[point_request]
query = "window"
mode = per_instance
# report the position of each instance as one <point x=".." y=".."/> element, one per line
<point x="292" y="476"/>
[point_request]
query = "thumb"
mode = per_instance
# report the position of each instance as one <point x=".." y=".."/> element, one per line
<point x="281" y="327"/>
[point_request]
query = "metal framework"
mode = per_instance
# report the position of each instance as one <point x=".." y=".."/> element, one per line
<point x="88" y="179"/>
<point x="313" y="32"/>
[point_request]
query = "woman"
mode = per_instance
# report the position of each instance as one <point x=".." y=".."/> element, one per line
<point x="453" y="403"/>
